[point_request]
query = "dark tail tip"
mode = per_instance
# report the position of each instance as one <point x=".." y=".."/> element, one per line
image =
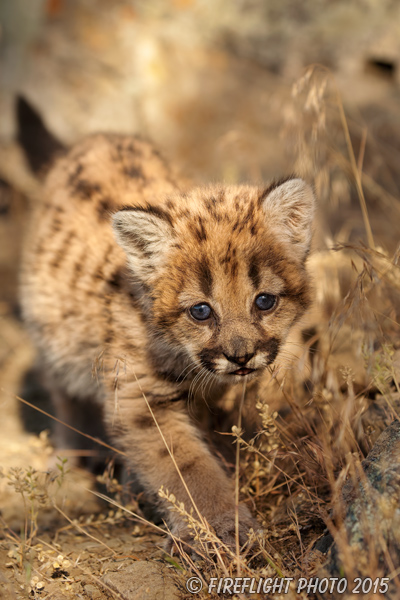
<point x="39" y="145"/>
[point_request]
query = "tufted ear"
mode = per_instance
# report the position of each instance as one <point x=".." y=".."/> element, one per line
<point x="289" y="208"/>
<point x="145" y="234"/>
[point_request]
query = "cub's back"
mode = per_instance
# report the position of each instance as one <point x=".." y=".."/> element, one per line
<point x="72" y="282"/>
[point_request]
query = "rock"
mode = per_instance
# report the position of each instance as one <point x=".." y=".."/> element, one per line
<point x="147" y="580"/>
<point x="367" y="544"/>
<point x="92" y="592"/>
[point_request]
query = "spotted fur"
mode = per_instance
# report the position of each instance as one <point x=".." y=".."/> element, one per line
<point x="117" y="255"/>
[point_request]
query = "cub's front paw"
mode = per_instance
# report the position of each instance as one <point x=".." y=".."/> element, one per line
<point x="224" y="526"/>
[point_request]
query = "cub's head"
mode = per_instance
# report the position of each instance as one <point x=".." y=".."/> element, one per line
<point x="223" y="271"/>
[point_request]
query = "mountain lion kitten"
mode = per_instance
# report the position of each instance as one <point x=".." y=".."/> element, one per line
<point x="134" y="289"/>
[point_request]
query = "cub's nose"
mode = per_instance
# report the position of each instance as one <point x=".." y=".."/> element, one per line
<point x="239" y="360"/>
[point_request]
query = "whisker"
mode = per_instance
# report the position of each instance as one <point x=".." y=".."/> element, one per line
<point x="205" y="385"/>
<point x="192" y="365"/>
<point x="201" y="382"/>
<point x="212" y="379"/>
<point x="194" y="382"/>
<point x="209" y="382"/>
<point x="189" y="373"/>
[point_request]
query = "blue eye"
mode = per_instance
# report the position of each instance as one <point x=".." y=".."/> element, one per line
<point x="200" y="312"/>
<point x="266" y="301"/>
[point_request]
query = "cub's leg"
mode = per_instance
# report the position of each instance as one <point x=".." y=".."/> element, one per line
<point x="206" y="487"/>
<point x="86" y="416"/>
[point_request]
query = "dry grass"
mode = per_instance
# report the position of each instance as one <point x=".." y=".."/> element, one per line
<point x="319" y="418"/>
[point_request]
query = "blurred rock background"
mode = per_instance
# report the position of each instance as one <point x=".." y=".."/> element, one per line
<point x="207" y="80"/>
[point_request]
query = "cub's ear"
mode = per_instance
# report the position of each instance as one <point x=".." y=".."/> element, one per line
<point x="289" y="208"/>
<point x="145" y="234"/>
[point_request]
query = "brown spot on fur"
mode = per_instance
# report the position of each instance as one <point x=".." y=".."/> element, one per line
<point x="158" y="154"/>
<point x="98" y="273"/>
<point x="69" y="313"/>
<point x="234" y="268"/>
<point x="134" y="150"/>
<point x="220" y="197"/>
<point x="198" y="230"/>
<point x="254" y="272"/>
<point x="62" y="251"/>
<point x="144" y="421"/>
<point x="301" y="295"/>
<point x="85" y="189"/>
<point x="104" y="209"/>
<point x="270" y="256"/>
<point x="247" y="220"/>
<point x="77" y="269"/>
<point x="254" y="229"/>
<point x="207" y="357"/>
<point x="109" y="334"/>
<point x="205" y="276"/>
<point x="164" y="402"/>
<point x="228" y="254"/>
<point x="187" y="466"/>
<point x="209" y="203"/>
<point x="116" y="279"/>
<point x="249" y="216"/>
<point x="202" y="235"/>
<point x="165" y="321"/>
<point x="271" y="346"/>
<point x="134" y="172"/>
<point x="75" y="175"/>
<point x="56" y="226"/>
<point x="229" y="261"/>
<point x="130" y="347"/>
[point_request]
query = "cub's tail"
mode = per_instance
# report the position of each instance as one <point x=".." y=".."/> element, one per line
<point x="38" y="144"/>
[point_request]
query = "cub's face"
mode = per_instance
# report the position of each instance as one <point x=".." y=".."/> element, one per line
<point x="224" y="269"/>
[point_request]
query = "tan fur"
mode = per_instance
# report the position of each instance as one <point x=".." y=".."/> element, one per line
<point x="123" y="307"/>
